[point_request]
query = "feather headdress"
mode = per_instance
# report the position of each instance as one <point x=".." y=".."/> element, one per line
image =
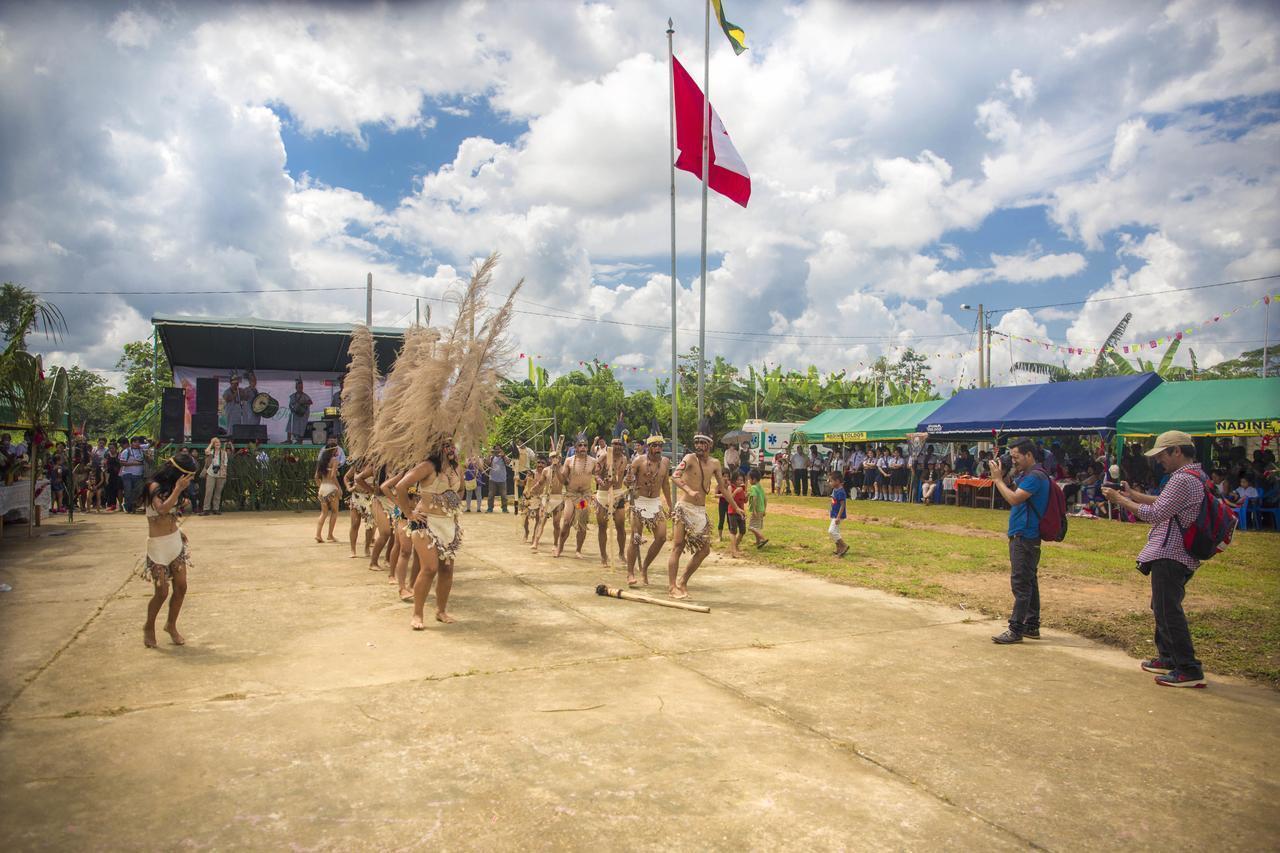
<point x="454" y="391"/>
<point x="391" y="442"/>
<point x="358" y="388"/>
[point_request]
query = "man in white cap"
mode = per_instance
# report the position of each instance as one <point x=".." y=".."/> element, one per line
<point x="1165" y="558"/>
<point x="693" y="478"/>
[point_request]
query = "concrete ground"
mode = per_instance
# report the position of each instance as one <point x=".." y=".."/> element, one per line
<point x="798" y="714"/>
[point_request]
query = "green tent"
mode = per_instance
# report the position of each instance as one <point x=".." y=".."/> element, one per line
<point x="1211" y="407"/>
<point x="885" y="423"/>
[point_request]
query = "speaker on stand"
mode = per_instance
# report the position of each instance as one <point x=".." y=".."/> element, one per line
<point x="173" y="407"/>
<point x="207" y="395"/>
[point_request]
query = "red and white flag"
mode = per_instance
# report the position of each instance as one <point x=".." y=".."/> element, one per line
<point x="729" y="175"/>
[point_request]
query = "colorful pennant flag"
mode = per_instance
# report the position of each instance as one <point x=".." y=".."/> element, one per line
<point x="735" y="34"/>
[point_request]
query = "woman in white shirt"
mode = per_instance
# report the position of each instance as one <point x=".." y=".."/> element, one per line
<point x="215" y="477"/>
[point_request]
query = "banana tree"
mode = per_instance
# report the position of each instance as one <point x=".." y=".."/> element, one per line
<point x="1107" y="363"/>
<point x="35" y="400"/>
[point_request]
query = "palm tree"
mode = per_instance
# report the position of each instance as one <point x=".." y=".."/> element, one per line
<point x="34" y="400"/>
<point x="1103" y="365"/>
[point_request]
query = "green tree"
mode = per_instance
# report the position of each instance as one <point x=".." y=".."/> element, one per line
<point x="1247" y="364"/>
<point x="91" y="402"/>
<point x="139" y="404"/>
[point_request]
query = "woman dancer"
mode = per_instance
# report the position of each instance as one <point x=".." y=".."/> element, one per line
<point x="168" y="555"/>
<point x="329" y="491"/>
<point x="433" y="527"/>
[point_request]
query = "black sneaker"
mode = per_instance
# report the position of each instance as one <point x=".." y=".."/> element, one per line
<point x="1178" y="678"/>
<point x="1158" y="666"/>
<point x="1031" y="633"/>
<point x="1007" y="638"/>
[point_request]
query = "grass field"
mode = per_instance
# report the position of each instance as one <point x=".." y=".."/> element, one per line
<point x="1088" y="583"/>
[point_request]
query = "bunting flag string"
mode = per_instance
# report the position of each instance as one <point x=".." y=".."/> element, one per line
<point x="859" y="368"/>
<point x="1150" y="343"/>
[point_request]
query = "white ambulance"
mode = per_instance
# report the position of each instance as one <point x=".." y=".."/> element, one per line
<point x="767" y="439"/>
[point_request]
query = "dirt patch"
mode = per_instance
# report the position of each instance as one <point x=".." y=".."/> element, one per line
<point x="1065" y="594"/>
<point x="820" y="512"/>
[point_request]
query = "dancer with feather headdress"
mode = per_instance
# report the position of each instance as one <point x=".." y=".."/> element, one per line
<point x="359" y="404"/>
<point x="451" y="399"/>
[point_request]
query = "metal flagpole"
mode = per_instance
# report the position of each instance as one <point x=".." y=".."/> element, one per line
<point x="675" y="287"/>
<point x="706" y="170"/>
<point x="1266" y="333"/>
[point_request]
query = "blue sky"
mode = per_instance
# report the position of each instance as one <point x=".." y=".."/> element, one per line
<point x="905" y="160"/>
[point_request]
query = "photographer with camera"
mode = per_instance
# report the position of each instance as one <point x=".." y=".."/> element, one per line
<point x="1028" y="500"/>
<point x="1165" y="558"/>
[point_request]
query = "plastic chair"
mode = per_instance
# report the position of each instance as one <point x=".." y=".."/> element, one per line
<point x="1254" y="507"/>
<point x="1242" y="515"/>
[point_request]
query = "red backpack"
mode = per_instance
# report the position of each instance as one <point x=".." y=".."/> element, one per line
<point x="1210" y="534"/>
<point x="1053" y="524"/>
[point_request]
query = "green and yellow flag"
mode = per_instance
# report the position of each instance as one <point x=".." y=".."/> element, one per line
<point x="737" y="37"/>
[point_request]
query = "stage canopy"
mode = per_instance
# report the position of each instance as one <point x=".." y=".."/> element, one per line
<point x="1089" y="405"/>
<point x="884" y="423"/>
<point x="1211" y="407"/>
<point x="247" y="343"/>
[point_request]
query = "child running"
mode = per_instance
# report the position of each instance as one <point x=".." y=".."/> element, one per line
<point x="737" y="524"/>
<point x="838" y="498"/>
<point x="756" y="506"/>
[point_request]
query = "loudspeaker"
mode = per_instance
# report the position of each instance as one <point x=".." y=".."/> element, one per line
<point x="249" y="432"/>
<point x="204" y="426"/>
<point x="207" y="395"/>
<point x="173" y="406"/>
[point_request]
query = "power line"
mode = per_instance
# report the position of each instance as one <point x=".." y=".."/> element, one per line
<point x="193" y="292"/>
<point x="1140" y="295"/>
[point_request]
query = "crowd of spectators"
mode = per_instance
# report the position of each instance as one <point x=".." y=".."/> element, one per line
<point x="893" y="472"/>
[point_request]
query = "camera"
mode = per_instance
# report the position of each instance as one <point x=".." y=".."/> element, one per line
<point x="1006" y="461"/>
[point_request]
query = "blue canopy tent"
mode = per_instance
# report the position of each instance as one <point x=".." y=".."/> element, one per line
<point x="1089" y="405"/>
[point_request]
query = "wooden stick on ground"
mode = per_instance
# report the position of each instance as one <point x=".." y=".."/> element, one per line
<point x="610" y="592"/>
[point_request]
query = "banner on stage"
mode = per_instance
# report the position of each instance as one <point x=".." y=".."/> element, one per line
<point x="248" y="405"/>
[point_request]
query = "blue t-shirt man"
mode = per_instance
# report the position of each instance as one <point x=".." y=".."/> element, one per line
<point x="1023" y="520"/>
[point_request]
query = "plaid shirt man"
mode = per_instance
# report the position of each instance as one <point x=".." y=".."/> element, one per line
<point x="1180" y="499"/>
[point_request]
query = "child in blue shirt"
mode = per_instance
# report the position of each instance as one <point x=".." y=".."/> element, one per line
<point x="838" y="498"/>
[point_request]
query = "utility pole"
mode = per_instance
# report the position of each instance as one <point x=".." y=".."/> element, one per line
<point x="417" y="312"/>
<point x="368" y="301"/>
<point x="988" y="324"/>
<point x="982" y="369"/>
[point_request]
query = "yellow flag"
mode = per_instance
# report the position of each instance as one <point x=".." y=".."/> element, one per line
<point x="736" y="36"/>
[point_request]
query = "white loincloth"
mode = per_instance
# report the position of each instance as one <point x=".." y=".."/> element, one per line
<point x="327" y="489"/>
<point x="697" y="527"/>
<point x="442" y="531"/>
<point x="647" y="513"/>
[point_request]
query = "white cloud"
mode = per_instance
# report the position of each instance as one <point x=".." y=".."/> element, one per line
<point x="150" y="155"/>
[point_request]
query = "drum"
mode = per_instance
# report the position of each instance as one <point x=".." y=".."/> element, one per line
<point x="265" y="405"/>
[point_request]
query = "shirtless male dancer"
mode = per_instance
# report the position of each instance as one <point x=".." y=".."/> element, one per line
<point x="579" y="475"/>
<point x="433" y="526"/>
<point x="693" y="478"/>
<point x="650" y="476"/>
<point x="611" y="498"/>
<point x="552" y="499"/>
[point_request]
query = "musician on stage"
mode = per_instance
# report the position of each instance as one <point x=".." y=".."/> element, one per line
<point x="252" y="417"/>
<point x="299" y="411"/>
<point x="235" y="403"/>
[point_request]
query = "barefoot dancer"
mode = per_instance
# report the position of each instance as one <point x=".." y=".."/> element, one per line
<point x="651" y="476"/>
<point x="693" y="478"/>
<point x="168" y="555"/>
<point x="611" y="498"/>
<point x="532" y="489"/>
<point x="433" y="526"/>
<point x="404" y="554"/>
<point x="362" y="502"/>
<point x="552" y="499"/>
<point x="329" y="491"/>
<point x="578" y="474"/>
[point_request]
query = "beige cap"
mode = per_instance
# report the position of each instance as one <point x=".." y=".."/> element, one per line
<point x="1172" y="438"/>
